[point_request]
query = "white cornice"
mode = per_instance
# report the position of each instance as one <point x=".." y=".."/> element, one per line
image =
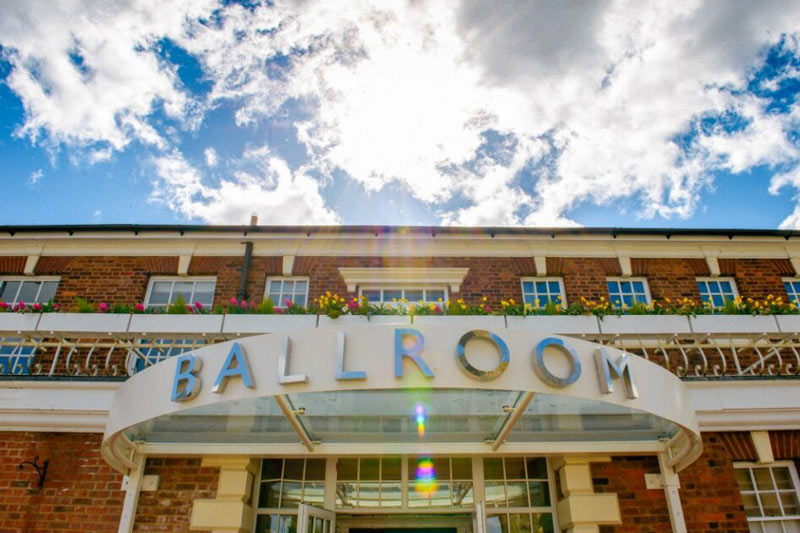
<point x="452" y="277"/>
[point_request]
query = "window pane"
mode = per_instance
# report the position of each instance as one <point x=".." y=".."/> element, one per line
<point x="369" y="469"/>
<point x="288" y="524"/>
<point x="347" y="469"/>
<point x="372" y="296"/>
<point x="441" y="496"/>
<point x="517" y="492"/>
<point x="299" y="299"/>
<point x="435" y="295"/>
<point x="204" y="292"/>
<point x="497" y="524"/>
<point x="638" y="286"/>
<point x="268" y="498"/>
<point x="290" y="496"/>
<point x="389" y="295"/>
<point x="28" y="292"/>
<point x="315" y="470"/>
<point x="537" y="468"/>
<point x="782" y="478"/>
<point x="492" y="468"/>
<point x="769" y="502"/>
<point x="9" y="293"/>
<point x="462" y="468"/>
<point x="515" y="468"/>
<point x="346" y="494"/>
<point x="275" y="286"/>
<point x="743" y="478"/>
<point x="527" y="287"/>
<point x="184" y="288"/>
<point x="293" y="469"/>
<point x="625" y="287"/>
<point x="271" y="468"/>
<point x="541" y="287"/>
<point x="266" y="523"/>
<point x="314" y="493"/>
<point x="750" y="505"/>
<point x="763" y="479"/>
<point x="495" y="494"/>
<point x="790" y="503"/>
<point x="554" y="288"/>
<point x="519" y="523"/>
<point x="391" y="494"/>
<point x="300" y="286"/>
<point x="159" y="293"/>
<point x="725" y="286"/>
<point x="390" y="468"/>
<point x="462" y="494"/>
<point x="413" y="295"/>
<point x="543" y="523"/>
<point x="539" y="493"/>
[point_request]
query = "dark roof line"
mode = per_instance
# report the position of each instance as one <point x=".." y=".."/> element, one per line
<point x="380" y="230"/>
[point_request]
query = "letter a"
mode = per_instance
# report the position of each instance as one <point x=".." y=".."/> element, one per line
<point x="229" y="370"/>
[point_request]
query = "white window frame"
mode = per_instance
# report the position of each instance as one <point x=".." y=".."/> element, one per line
<point x="406" y="287"/>
<point x="618" y="279"/>
<point x="795" y="299"/>
<point x="283" y="279"/>
<point x="717" y="279"/>
<point x="792" y="476"/>
<point x="176" y="279"/>
<point x="559" y="279"/>
<point x="4" y="279"/>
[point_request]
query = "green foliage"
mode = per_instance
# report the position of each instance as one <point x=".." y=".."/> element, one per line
<point x="178" y="307"/>
<point x="84" y="306"/>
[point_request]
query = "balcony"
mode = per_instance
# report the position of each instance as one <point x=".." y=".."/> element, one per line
<point x="111" y="347"/>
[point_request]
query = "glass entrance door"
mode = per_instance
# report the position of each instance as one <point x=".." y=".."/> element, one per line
<point x="315" y="520"/>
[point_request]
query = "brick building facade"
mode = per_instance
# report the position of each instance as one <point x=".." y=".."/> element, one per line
<point x="726" y="461"/>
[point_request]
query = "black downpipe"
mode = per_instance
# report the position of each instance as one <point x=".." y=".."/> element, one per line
<point x="248" y="254"/>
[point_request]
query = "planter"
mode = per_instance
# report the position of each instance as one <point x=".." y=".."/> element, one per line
<point x="84" y="322"/>
<point x="643" y="324"/>
<point x="734" y="324"/>
<point x="491" y="323"/>
<point x="175" y="324"/>
<point x="788" y="323"/>
<point x="16" y="322"/>
<point x="388" y="320"/>
<point x="255" y="324"/>
<point x="345" y="320"/>
<point x="555" y="324"/>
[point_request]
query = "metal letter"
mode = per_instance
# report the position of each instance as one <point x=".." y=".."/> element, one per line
<point x="186" y="384"/>
<point x="411" y="353"/>
<point x="241" y="369"/>
<point x="341" y="375"/>
<point x="283" y="365"/>
<point x="607" y="369"/>
<point x="547" y="376"/>
<point x="483" y="375"/>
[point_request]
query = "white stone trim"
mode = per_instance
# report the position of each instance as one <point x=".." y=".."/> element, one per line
<point x="540" y="262"/>
<point x="625" y="266"/>
<point x="763" y="446"/>
<point x="355" y="276"/>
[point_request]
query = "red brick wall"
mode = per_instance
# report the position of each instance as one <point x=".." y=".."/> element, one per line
<point x="709" y="493"/>
<point x="81" y="492"/>
<point x="114" y="280"/>
<point x="642" y="510"/>
<point x="584" y="276"/>
<point x="756" y="278"/>
<point x="170" y="507"/>
<point x="670" y="278"/>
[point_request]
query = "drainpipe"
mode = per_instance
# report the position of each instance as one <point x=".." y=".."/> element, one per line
<point x="248" y="255"/>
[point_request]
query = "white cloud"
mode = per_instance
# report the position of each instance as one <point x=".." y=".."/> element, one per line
<point x="35" y="176"/>
<point x="86" y="71"/>
<point x="211" y="156"/>
<point x="272" y="191"/>
<point x="596" y="96"/>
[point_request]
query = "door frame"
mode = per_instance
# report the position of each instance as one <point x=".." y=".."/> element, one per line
<point x="462" y="523"/>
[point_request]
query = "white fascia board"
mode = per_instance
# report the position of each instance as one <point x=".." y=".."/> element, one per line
<point x="739" y="405"/>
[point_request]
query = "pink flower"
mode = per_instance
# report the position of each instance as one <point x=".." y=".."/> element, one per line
<point x="56" y="307"/>
<point x="199" y="306"/>
<point x="437" y="310"/>
<point x="487" y="308"/>
<point x="288" y="302"/>
<point x="234" y="301"/>
<point x="140" y="308"/>
<point x="3" y="305"/>
<point x="243" y="304"/>
<point x="103" y="307"/>
<point x="20" y="306"/>
<point x="37" y="307"/>
<point x="279" y="310"/>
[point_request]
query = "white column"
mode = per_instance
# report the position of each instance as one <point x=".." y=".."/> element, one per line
<point x="671" y="485"/>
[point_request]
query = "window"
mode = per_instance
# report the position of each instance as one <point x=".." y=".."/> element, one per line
<point x="541" y="291"/>
<point x="369" y="482"/>
<point x="517" y="495"/>
<point x="770" y="496"/>
<point x="390" y="296"/>
<point x="293" y="289"/>
<point x="284" y="485"/>
<point x="164" y="291"/>
<point x="792" y="286"/>
<point x="716" y="290"/>
<point x="28" y="290"/>
<point x="15" y="358"/>
<point x="625" y="292"/>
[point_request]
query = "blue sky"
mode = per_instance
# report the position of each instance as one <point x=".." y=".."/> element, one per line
<point x="536" y="113"/>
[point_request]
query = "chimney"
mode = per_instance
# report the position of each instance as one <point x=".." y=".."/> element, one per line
<point x="254" y="219"/>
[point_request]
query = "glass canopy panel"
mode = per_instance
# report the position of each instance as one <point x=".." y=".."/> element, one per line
<point x="555" y="418"/>
<point x="409" y="415"/>
<point x="404" y="416"/>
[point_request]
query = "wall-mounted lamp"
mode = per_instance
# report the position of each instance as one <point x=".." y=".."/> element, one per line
<point x="41" y="469"/>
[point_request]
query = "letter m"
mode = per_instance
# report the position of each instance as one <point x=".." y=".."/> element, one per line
<point x="608" y="369"/>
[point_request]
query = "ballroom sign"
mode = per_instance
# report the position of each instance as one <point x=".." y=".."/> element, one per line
<point x="409" y="345"/>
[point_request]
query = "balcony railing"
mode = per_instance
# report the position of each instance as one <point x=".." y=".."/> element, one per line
<point x="108" y="346"/>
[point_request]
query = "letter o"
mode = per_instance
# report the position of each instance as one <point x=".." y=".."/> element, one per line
<point x="496" y="341"/>
<point x="547" y="376"/>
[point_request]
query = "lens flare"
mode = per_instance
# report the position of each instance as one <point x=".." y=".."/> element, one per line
<point x="426" y="477"/>
<point x="419" y="411"/>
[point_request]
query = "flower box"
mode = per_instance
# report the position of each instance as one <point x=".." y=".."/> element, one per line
<point x="169" y="324"/>
<point x="15" y="322"/>
<point x="581" y="324"/>
<point x="84" y="322"/>
<point x="255" y="324"/>
<point x="734" y="324"/>
<point x="643" y="324"/>
<point x="491" y="323"/>
<point x="788" y="323"/>
<point x="344" y="320"/>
